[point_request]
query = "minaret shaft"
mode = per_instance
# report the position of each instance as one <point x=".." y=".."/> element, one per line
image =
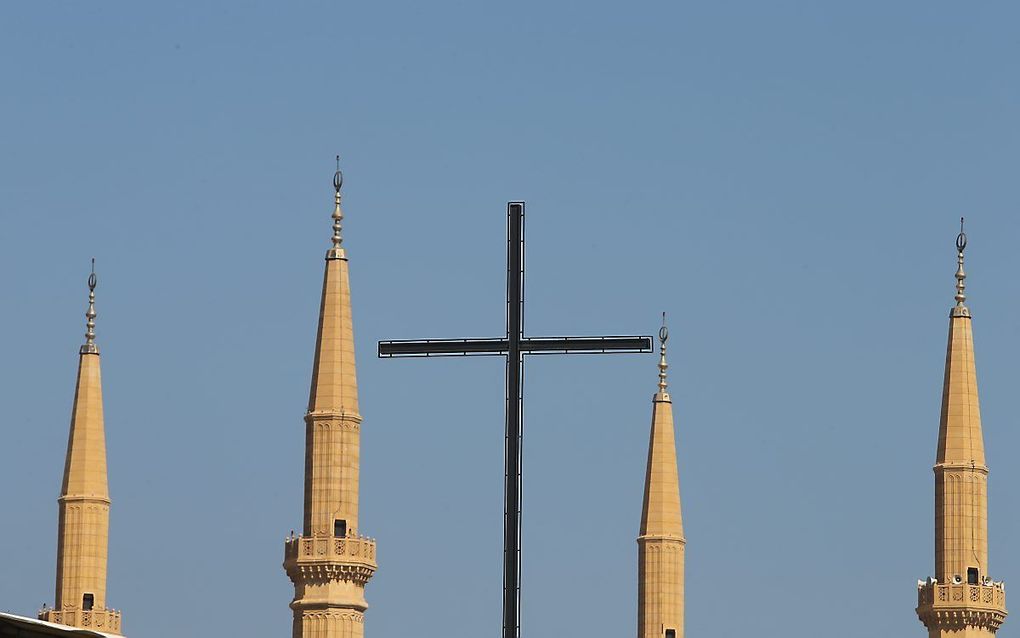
<point x="330" y="563"/>
<point x="661" y="543"/>
<point x="961" y="477"/>
<point x="961" y="601"/>
<point x="333" y="425"/>
<point x="84" y="504"/>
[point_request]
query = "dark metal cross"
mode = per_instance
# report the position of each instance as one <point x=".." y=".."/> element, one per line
<point x="514" y="346"/>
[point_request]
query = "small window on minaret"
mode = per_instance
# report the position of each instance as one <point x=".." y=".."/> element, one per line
<point x="972" y="575"/>
<point x="339" y="528"/>
<point x="88" y="601"/>
<point x="671" y="633"/>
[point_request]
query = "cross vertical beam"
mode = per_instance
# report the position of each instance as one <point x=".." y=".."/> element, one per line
<point x="514" y="346"/>
<point x="514" y="420"/>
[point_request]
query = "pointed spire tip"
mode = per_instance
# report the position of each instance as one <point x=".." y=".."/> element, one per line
<point x="960" y="309"/>
<point x="90" y="347"/>
<point x="337" y="251"/>
<point x="663" y="366"/>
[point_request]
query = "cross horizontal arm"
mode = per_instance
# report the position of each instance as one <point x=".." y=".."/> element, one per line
<point x="443" y="348"/>
<point x="585" y="345"/>
<point x="537" y="345"/>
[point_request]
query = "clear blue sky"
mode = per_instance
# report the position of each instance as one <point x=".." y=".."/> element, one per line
<point x="783" y="178"/>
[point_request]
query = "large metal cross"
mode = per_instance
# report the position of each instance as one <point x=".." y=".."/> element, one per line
<point x="514" y="346"/>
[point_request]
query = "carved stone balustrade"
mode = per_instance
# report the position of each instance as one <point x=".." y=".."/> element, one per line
<point x="961" y="605"/>
<point x="349" y="557"/>
<point x="104" y="620"/>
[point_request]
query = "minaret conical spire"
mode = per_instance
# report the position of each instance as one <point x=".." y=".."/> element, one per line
<point x="330" y="562"/>
<point x="84" y="503"/>
<point x="961" y="600"/>
<point x="661" y="543"/>
<point x="334" y="378"/>
<point x="960" y="437"/>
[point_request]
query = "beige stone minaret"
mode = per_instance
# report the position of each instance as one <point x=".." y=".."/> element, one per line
<point x="961" y="601"/>
<point x="330" y="562"/>
<point x="84" y="503"/>
<point x="661" y="542"/>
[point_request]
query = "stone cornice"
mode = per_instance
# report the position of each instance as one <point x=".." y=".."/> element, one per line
<point x="661" y="538"/>
<point x="960" y="467"/>
<point x="89" y="500"/>
<point x="961" y="618"/>
<point x="332" y="415"/>
<point x="322" y="571"/>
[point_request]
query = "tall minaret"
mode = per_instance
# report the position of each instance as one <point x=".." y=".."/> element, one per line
<point x="84" y="503"/>
<point x="661" y="542"/>
<point x="961" y="601"/>
<point x="330" y="563"/>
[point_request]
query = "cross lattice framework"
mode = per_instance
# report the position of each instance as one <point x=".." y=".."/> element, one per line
<point x="514" y="346"/>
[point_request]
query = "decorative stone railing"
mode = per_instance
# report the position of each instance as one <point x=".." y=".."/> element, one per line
<point x="354" y="548"/>
<point x="330" y="558"/>
<point x="104" y="620"/>
<point x="957" y="605"/>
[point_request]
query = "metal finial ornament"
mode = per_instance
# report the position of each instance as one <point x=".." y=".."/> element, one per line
<point x="960" y="310"/>
<point x="337" y="251"/>
<point x="663" y="337"/>
<point x="90" y="346"/>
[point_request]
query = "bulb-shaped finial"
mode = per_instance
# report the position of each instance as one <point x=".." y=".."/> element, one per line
<point x="663" y="366"/>
<point x="90" y="347"/>
<point x="337" y="251"/>
<point x="961" y="244"/>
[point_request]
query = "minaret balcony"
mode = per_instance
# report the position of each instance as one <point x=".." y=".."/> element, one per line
<point x="959" y="605"/>
<point x="104" y="620"/>
<point x="348" y="557"/>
